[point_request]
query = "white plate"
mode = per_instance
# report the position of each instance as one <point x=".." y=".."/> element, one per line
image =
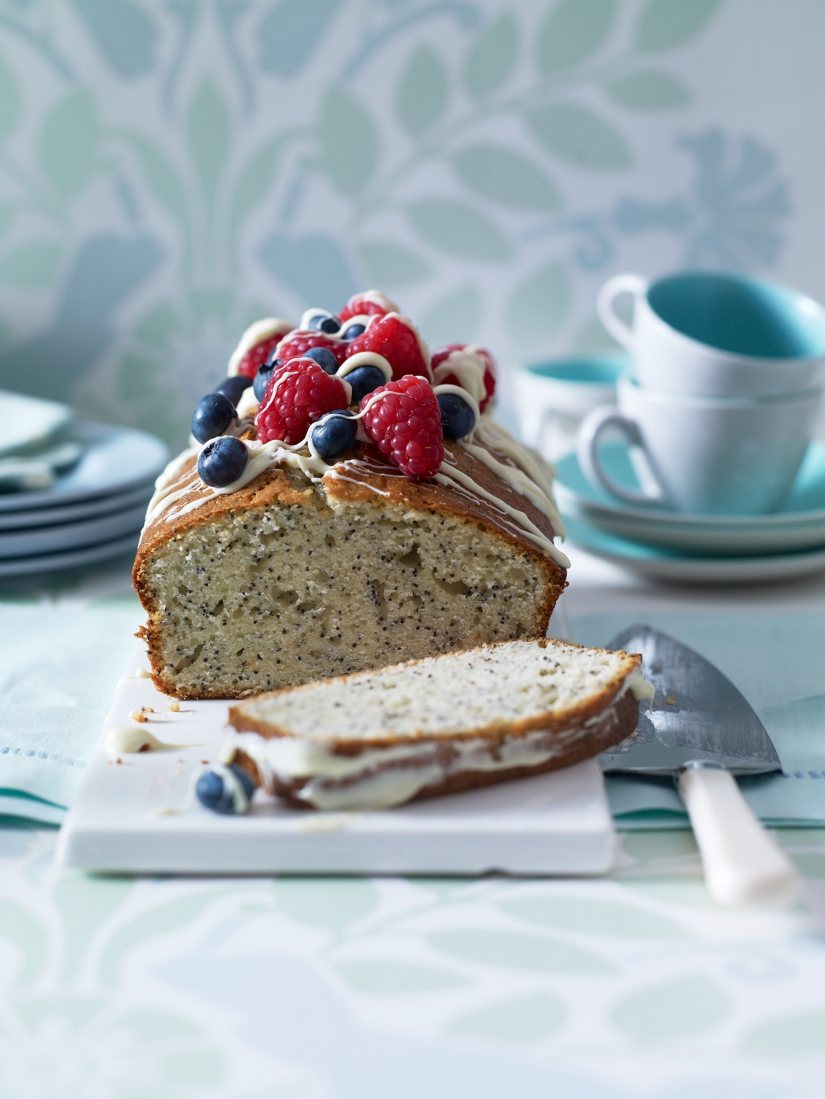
<point x="86" y="555"/>
<point x="116" y="459"/>
<point x="139" y="817"/>
<point x="799" y="526"/>
<point x="30" y="421"/>
<point x="32" y="518"/>
<point x="664" y="564"/>
<point x="68" y="536"/>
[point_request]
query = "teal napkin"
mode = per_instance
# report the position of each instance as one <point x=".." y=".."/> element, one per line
<point x="778" y="663"/>
<point x="59" y="662"/>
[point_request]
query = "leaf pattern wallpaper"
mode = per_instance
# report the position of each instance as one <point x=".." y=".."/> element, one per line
<point x="170" y="171"/>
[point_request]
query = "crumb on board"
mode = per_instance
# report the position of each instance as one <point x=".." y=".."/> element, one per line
<point x="141" y="715"/>
<point x="174" y="706"/>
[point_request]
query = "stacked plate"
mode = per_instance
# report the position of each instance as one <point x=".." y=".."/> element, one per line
<point x="96" y="482"/>
<point x="682" y="546"/>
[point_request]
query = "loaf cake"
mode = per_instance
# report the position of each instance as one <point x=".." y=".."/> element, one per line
<point x="347" y="503"/>
<point x="435" y="726"/>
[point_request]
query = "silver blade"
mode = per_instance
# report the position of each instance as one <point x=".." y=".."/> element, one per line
<point x="696" y="714"/>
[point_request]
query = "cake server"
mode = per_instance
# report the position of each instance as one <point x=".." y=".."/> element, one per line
<point x="700" y="730"/>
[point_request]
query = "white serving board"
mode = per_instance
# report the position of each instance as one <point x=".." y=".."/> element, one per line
<point x="140" y="816"/>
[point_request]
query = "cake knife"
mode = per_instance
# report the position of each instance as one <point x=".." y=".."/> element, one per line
<point x="700" y="730"/>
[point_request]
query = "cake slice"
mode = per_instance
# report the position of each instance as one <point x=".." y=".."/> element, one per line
<point x="437" y="726"/>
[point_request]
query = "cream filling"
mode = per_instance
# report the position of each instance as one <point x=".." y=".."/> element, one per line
<point x="391" y="776"/>
<point x="256" y="333"/>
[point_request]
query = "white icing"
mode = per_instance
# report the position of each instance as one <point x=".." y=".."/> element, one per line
<point x="127" y="739"/>
<point x="377" y="298"/>
<point x="364" y="358"/>
<point x="466" y="365"/>
<point x="456" y="478"/>
<point x="256" y="333"/>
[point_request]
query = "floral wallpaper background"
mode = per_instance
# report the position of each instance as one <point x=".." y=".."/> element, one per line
<point x="172" y="169"/>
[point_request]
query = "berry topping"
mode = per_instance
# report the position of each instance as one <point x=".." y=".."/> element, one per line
<point x="234" y="387"/>
<point x="324" y="357"/>
<point x="222" y="461"/>
<point x="403" y="419"/>
<point x="298" y="342"/>
<point x="371" y="304"/>
<point x="325" y="322"/>
<point x="225" y="790"/>
<point x="397" y="340"/>
<point x="457" y="417"/>
<point x="250" y="362"/>
<point x="212" y="416"/>
<point x="353" y="331"/>
<point x="484" y="388"/>
<point x="333" y="434"/>
<point x="300" y="393"/>
<point x="363" y="380"/>
<point x="263" y="376"/>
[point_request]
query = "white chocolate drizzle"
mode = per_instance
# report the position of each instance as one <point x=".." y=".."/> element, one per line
<point x="468" y="366"/>
<point x="257" y="332"/>
<point x="129" y="739"/>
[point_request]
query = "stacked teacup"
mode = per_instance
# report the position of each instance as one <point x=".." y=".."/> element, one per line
<point x="724" y="395"/>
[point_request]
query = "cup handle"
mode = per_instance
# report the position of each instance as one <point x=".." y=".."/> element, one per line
<point x="593" y="426"/>
<point x="634" y="285"/>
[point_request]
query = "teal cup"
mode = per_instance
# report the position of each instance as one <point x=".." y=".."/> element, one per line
<point x="711" y="334"/>
<point x="554" y="395"/>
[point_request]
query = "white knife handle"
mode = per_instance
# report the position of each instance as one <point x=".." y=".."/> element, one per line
<point x="742" y="862"/>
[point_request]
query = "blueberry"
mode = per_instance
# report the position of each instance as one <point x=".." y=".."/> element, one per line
<point x="214" y="790"/>
<point x="353" y="331"/>
<point x="325" y="322"/>
<point x="457" y="417"/>
<point x="272" y="358"/>
<point x="233" y="387"/>
<point x="222" y="461"/>
<point x="334" y="434"/>
<point x="213" y="415"/>
<point x="262" y="378"/>
<point x="363" y="380"/>
<point x="324" y="357"/>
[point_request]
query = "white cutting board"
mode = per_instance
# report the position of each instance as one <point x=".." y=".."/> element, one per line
<point x="139" y="815"/>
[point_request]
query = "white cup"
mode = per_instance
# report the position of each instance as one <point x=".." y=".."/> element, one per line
<point x="709" y="334"/>
<point x="553" y="396"/>
<point x="732" y="456"/>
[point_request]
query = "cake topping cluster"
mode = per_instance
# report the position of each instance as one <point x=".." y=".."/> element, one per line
<point x="362" y="374"/>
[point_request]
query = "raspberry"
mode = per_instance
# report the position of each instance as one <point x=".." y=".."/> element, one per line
<point x="300" y="340"/>
<point x="443" y="354"/>
<point x="397" y="340"/>
<point x="256" y="356"/>
<point x="298" y="393"/>
<point x="403" y="419"/>
<point x="366" y="305"/>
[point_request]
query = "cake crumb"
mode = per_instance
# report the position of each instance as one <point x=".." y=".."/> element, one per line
<point x="141" y="715"/>
<point x="174" y="707"/>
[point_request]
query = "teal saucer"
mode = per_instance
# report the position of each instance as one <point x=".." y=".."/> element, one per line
<point x="805" y="503"/>
<point x="672" y="565"/>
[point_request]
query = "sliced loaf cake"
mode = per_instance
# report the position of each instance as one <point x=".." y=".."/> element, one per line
<point x="438" y="725"/>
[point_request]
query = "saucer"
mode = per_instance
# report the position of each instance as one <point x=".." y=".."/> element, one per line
<point x="799" y="525"/>
<point x="668" y="564"/>
<point x="114" y="460"/>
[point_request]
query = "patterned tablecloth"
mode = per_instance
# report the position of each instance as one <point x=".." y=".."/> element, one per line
<point x="631" y="986"/>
